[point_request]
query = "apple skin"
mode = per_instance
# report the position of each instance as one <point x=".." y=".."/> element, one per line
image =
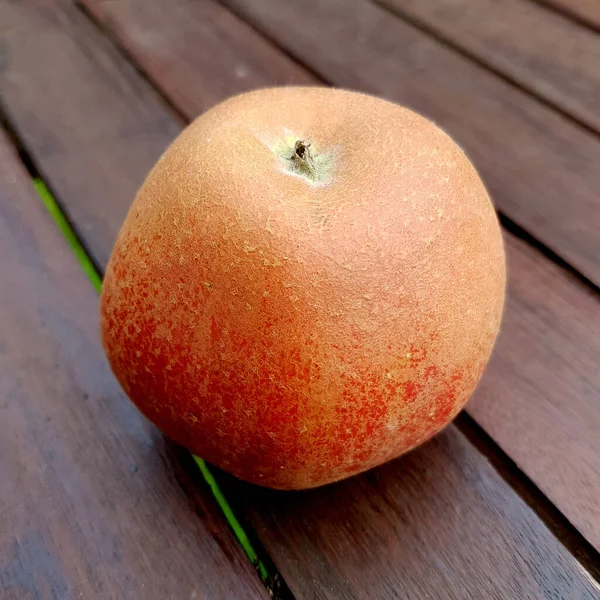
<point x="296" y="323"/>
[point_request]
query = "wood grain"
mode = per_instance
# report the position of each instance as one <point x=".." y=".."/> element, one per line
<point x="199" y="52"/>
<point x="541" y="168"/>
<point x="437" y="523"/>
<point x="89" y="503"/>
<point x="534" y="47"/>
<point x="587" y="11"/>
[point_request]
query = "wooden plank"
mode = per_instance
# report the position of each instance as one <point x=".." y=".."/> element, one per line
<point x="540" y="396"/>
<point x="538" y="49"/>
<point x="199" y="51"/>
<point x="437" y="523"/>
<point x="541" y="168"/>
<point x="90" y="507"/>
<point x="586" y="11"/>
<point x="569" y="487"/>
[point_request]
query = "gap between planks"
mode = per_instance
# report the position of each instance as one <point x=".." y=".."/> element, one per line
<point x="248" y="540"/>
<point x="518" y="480"/>
<point x="548" y="513"/>
<point x="124" y="54"/>
<point x="512" y="227"/>
<point x="567" y="11"/>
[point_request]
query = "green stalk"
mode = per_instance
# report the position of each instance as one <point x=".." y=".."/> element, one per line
<point x="65" y="228"/>
<point x="235" y="525"/>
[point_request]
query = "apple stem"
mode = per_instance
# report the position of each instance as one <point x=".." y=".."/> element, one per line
<point x="303" y="158"/>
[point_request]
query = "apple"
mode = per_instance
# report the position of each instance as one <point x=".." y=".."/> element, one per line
<point x="309" y="283"/>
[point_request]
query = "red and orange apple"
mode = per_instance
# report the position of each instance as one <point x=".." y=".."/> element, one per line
<point x="309" y="283"/>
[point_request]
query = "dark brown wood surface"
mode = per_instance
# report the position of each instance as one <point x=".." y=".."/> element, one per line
<point x="537" y="48"/>
<point x="438" y="523"/>
<point x="550" y="415"/>
<point x="541" y="168"/>
<point x="435" y="524"/>
<point x="199" y="51"/>
<point x="89" y="502"/>
<point x="585" y="11"/>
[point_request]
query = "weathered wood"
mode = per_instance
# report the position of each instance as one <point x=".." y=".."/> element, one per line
<point x="89" y="503"/>
<point x="541" y="169"/>
<point x="437" y="523"/>
<point x="198" y="52"/>
<point x="537" y="48"/>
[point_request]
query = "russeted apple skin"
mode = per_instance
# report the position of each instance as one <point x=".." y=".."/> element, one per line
<point x="296" y="320"/>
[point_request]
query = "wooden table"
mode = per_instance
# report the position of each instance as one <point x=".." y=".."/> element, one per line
<point x="95" y="503"/>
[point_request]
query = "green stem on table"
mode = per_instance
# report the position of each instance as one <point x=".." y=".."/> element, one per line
<point x="65" y="228"/>
<point x="238" y="530"/>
